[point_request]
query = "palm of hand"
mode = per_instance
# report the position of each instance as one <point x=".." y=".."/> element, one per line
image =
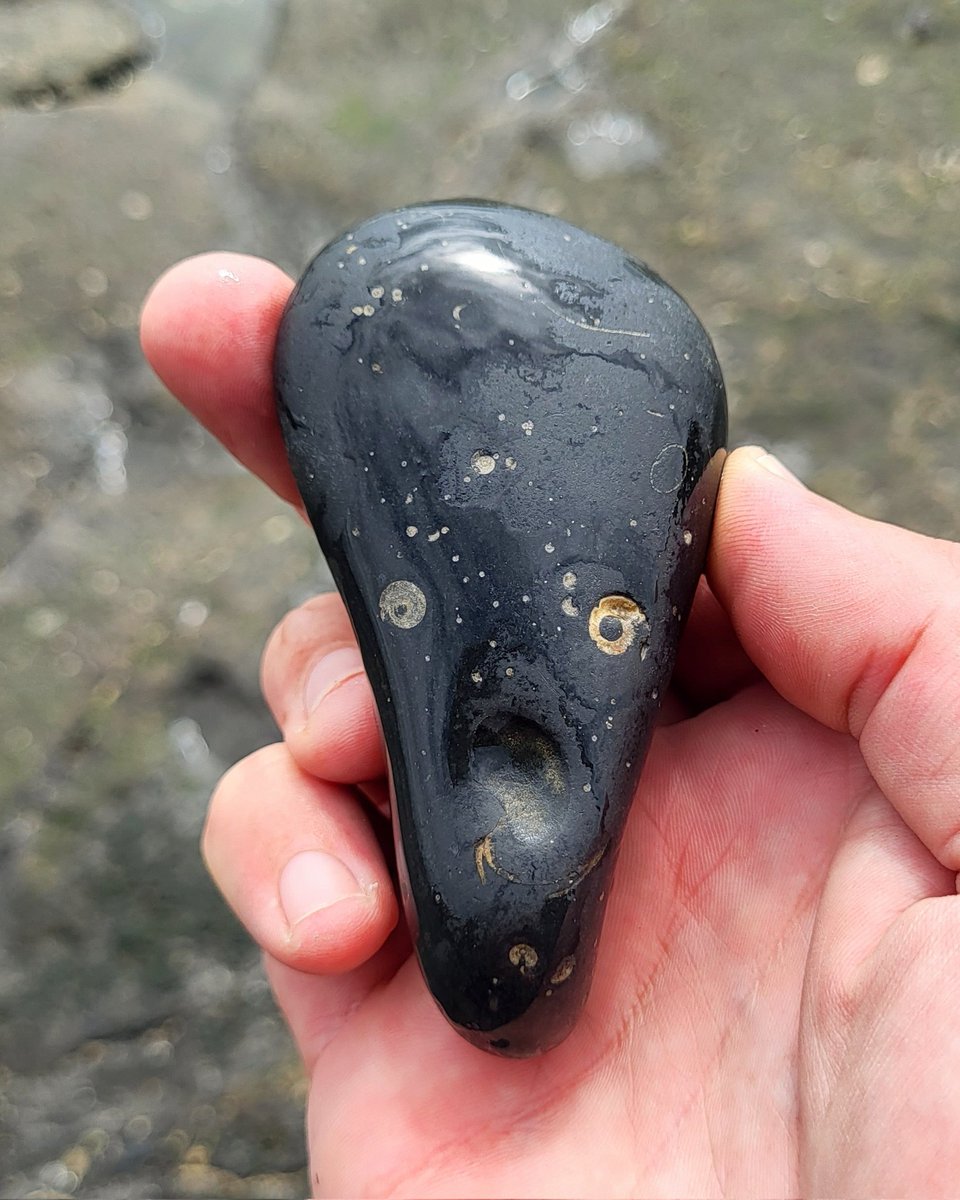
<point x="716" y="1053"/>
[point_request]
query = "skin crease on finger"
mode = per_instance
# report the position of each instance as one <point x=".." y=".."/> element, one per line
<point x="265" y="814"/>
<point x="773" y="1012"/>
<point x="339" y="738"/>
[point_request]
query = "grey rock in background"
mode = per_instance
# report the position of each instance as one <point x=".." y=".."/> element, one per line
<point x="54" y="51"/>
<point x="795" y="171"/>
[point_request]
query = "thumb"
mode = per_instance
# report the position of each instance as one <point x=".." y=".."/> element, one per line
<point x="856" y="623"/>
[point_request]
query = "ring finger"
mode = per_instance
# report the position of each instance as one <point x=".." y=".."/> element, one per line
<point x="298" y="861"/>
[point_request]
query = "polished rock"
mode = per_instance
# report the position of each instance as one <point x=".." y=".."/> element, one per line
<point x="508" y="436"/>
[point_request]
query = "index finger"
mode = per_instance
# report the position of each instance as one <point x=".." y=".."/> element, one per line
<point x="208" y="329"/>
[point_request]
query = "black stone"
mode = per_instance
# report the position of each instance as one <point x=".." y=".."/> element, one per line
<point x="508" y="436"/>
<point x="611" y="628"/>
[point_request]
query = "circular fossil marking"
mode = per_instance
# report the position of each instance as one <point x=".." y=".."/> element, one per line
<point x="483" y="463"/>
<point x="403" y="604"/>
<point x="524" y="957"/>
<point x="614" y="623"/>
<point x="668" y="469"/>
<point x="564" y="970"/>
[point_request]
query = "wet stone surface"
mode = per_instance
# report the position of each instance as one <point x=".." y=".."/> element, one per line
<point x="496" y="334"/>
<point x="796" y="175"/>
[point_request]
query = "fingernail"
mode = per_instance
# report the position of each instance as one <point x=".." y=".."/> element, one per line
<point x="771" y="463"/>
<point x="331" y="670"/>
<point x="312" y="881"/>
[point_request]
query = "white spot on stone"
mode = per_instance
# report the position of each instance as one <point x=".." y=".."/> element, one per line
<point x="477" y="677"/>
<point x="510" y="463"/>
<point x="509" y="672"/>
<point x="569" y="580"/>
<point x="527" y="428"/>
<point x="434" y="537"/>
<point x="357" y="310"/>
<point x="668" y="469"/>
<point x="482" y="462"/>
<point x="377" y="292"/>
<point x="368" y="310"/>
<point x="396" y="295"/>
<point x="411" y="531"/>
<point x="687" y="537"/>
<point x="549" y="547"/>
<point x="570" y="607"/>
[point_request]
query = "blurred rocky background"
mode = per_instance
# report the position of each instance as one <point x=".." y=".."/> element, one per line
<point x="793" y="169"/>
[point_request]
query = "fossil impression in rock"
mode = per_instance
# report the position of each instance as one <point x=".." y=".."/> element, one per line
<point x="508" y="436"/>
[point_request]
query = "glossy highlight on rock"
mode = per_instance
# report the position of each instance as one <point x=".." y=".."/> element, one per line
<point x="508" y="436"/>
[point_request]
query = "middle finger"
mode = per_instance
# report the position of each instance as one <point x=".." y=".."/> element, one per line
<point x="314" y="682"/>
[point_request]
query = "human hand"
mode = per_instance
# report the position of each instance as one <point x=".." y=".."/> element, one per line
<point x="773" y="1010"/>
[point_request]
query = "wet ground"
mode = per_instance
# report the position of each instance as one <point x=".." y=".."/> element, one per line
<point x="794" y="170"/>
